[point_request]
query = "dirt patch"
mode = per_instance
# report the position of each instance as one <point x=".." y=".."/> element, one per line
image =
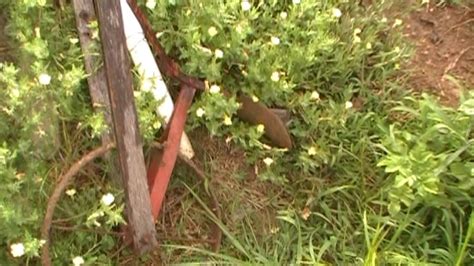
<point x="4" y="47"/>
<point x="237" y="186"/>
<point x="245" y="201"/>
<point x="444" y="41"/>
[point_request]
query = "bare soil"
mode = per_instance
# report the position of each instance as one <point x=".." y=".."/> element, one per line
<point x="4" y="49"/>
<point x="444" y="42"/>
<point x="243" y="198"/>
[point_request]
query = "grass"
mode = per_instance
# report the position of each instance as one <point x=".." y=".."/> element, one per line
<point x="364" y="198"/>
<point x="344" y="226"/>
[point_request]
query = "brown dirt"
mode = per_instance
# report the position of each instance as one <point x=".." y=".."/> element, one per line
<point x="242" y="196"/>
<point x="4" y="49"/>
<point x="235" y="181"/>
<point x="444" y="42"/>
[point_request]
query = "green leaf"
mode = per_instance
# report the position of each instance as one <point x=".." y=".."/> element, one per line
<point x="394" y="208"/>
<point x="467" y="107"/>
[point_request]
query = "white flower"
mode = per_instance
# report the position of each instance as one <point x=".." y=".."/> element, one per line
<point x="246" y="6"/>
<point x="238" y="28"/>
<point x="73" y="40"/>
<point x="17" y="250"/>
<point x="44" y="79"/>
<point x="156" y="125"/>
<point x="312" y="151"/>
<point x="314" y="95"/>
<point x="200" y="112"/>
<point x="383" y="20"/>
<point x="107" y="199"/>
<point x="368" y="46"/>
<point x="283" y="15"/>
<point x="348" y="105"/>
<point x="275" y="76"/>
<point x="77" y="261"/>
<point x="425" y="2"/>
<point x="71" y="192"/>
<point x="397" y="22"/>
<point x="227" y="120"/>
<point x="95" y="34"/>
<point x="396" y="49"/>
<point x="275" y="40"/>
<point x="150" y="4"/>
<point x="159" y="34"/>
<point x="268" y="161"/>
<point x="15" y="92"/>
<point x="274" y="230"/>
<point x="295" y="2"/>
<point x="356" y="39"/>
<point x="336" y="12"/>
<point x="212" y="31"/>
<point x="218" y="53"/>
<point x="260" y="128"/>
<point x="255" y="99"/>
<point x="38" y="32"/>
<point x="214" y="89"/>
<point x="41" y="132"/>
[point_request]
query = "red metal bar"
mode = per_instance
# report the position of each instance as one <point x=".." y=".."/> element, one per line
<point x="163" y="161"/>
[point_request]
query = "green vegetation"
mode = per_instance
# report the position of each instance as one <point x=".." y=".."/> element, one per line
<point x="377" y="176"/>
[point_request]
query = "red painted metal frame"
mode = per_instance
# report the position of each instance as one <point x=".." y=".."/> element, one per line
<point x="163" y="161"/>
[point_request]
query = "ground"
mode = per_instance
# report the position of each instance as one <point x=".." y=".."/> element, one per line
<point x="443" y="38"/>
<point x="443" y="42"/>
<point x="242" y="197"/>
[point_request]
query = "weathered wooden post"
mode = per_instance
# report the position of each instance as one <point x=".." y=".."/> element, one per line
<point x="85" y="14"/>
<point x="124" y="115"/>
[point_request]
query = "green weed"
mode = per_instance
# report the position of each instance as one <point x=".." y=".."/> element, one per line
<point x="377" y="176"/>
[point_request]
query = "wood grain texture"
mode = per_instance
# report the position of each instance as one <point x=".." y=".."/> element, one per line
<point x="128" y="140"/>
<point x="85" y="13"/>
